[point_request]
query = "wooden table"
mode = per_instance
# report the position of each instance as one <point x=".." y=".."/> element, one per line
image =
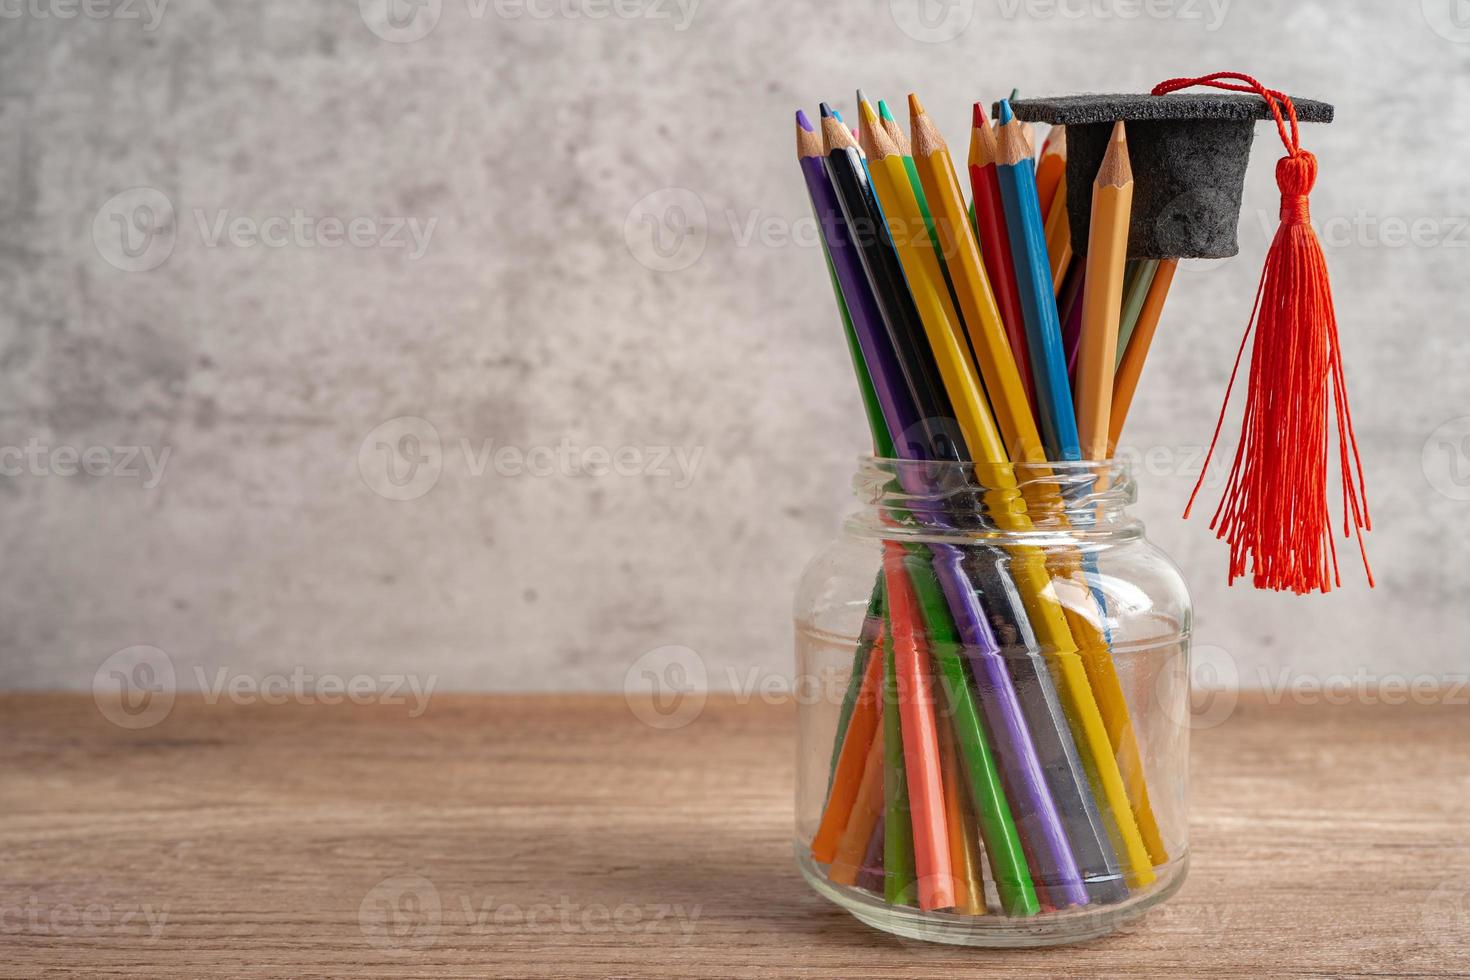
<point x="559" y="836"/>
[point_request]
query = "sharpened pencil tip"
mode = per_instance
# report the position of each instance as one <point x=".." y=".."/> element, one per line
<point x="916" y="108"/>
<point x="978" y="117"/>
<point x="1120" y="135"/>
<point x="883" y="112"/>
<point x="825" y="110"/>
<point x="861" y="98"/>
<point x="804" y="122"/>
<point x="1006" y="115"/>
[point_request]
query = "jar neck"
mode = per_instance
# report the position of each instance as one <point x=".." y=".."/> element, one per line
<point x="950" y="498"/>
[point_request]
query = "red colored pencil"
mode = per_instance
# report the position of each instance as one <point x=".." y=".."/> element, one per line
<point x="995" y="247"/>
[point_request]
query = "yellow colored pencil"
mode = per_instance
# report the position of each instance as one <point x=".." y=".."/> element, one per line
<point x="982" y="319"/>
<point x="1131" y="368"/>
<point x="1102" y="294"/>
<point x="941" y="323"/>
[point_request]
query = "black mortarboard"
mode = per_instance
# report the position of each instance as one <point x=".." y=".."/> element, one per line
<point x="1188" y="154"/>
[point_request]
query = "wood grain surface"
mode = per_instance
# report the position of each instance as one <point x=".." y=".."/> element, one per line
<point x="540" y="836"/>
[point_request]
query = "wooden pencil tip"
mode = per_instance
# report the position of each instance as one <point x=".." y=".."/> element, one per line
<point x="883" y="112"/>
<point x="916" y="108"/>
<point x="825" y="110"/>
<point x="1006" y="115"/>
<point x="1116" y="169"/>
<point x="978" y="116"/>
<point x="862" y="100"/>
<point x="804" y="122"/>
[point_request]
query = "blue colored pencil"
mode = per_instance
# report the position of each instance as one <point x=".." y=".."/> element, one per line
<point x="1016" y="172"/>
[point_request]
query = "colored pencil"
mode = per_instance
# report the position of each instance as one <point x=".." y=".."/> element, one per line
<point x="1142" y="846"/>
<point x="920" y="738"/>
<point x="1055" y="745"/>
<point x="969" y="881"/>
<point x="868" y="232"/>
<point x="995" y="248"/>
<point x="1131" y="368"/>
<point x="982" y="318"/>
<point x="1135" y="291"/>
<point x="1004" y="851"/>
<point x="848" y="778"/>
<point x="941" y="324"/>
<point x="866" y="811"/>
<point x="879" y="367"/>
<point x="1102" y="295"/>
<point x="1016" y="174"/>
<point x="898" y="843"/>
<point x="1051" y="168"/>
<point x="1069" y="308"/>
<point x="1058" y="230"/>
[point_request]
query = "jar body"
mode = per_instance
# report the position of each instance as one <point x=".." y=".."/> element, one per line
<point x="998" y="755"/>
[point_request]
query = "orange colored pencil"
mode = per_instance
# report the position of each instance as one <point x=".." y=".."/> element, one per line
<point x="851" y="761"/>
<point x="1059" y="237"/>
<point x="1051" y="167"/>
<point x="1131" y="368"/>
<point x="866" y="810"/>
<point x="1102" y="295"/>
<point x="922" y="768"/>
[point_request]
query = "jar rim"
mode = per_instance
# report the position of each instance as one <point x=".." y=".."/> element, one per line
<point x="1062" y="494"/>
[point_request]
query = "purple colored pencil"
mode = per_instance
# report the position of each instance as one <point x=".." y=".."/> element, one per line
<point x="1054" y="867"/>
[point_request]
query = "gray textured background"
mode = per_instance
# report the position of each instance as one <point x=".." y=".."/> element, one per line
<point x="540" y="311"/>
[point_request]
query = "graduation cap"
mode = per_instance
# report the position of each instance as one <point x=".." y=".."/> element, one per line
<point x="1189" y="154"/>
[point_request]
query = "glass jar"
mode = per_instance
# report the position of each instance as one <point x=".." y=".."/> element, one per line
<point x="998" y="755"/>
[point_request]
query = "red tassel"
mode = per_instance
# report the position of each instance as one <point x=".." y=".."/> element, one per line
<point x="1273" y="512"/>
